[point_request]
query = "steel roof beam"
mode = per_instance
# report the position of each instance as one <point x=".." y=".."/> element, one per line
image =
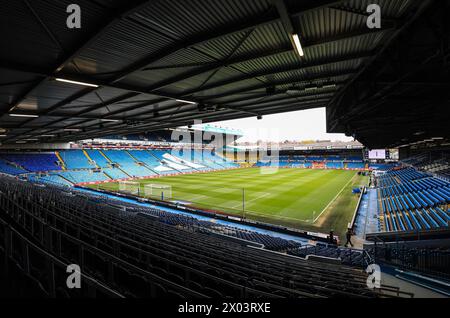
<point x="402" y="24"/>
<point x="256" y="56"/>
<point x="276" y="71"/>
<point x="219" y="115"/>
<point x="308" y="79"/>
<point x="74" y="97"/>
<point x="249" y="24"/>
<point x="132" y="6"/>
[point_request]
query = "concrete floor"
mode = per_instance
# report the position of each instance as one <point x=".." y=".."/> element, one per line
<point x="419" y="292"/>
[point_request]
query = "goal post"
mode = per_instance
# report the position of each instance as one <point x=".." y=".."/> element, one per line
<point x="158" y="191"/>
<point x="131" y="187"/>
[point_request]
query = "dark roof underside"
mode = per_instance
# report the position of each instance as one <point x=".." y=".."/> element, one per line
<point x="234" y="58"/>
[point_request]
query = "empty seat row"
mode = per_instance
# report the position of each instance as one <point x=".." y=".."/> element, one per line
<point x="137" y="252"/>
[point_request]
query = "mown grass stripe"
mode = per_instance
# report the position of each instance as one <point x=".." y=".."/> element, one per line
<point x="287" y="197"/>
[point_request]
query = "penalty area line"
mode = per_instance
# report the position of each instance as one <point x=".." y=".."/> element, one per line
<point x="337" y="195"/>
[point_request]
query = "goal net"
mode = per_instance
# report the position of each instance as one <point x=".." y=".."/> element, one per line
<point x="131" y="187"/>
<point x="158" y="191"/>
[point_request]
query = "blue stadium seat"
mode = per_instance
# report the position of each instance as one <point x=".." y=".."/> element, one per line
<point x="98" y="158"/>
<point x="75" y="159"/>
<point x="8" y="168"/>
<point x="128" y="163"/>
<point x="411" y="199"/>
<point x="34" y="162"/>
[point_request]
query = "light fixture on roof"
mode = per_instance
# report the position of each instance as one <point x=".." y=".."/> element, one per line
<point x="185" y="101"/>
<point x="329" y="85"/>
<point x="72" y="129"/>
<point x="31" y="139"/>
<point x="2" y="135"/>
<point x="293" y="90"/>
<point x="47" y="136"/>
<point x="23" y="115"/>
<point x="310" y="88"/>
<point x="75" y="82"/>
<point x="21" y="142"/>
<point x="111" y="120"/>
<point x="298" y="45"/>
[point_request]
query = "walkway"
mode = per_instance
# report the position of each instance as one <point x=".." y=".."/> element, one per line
<point x="367" y="219"/>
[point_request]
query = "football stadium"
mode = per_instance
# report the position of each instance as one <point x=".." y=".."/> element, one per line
<point x="225" y="149"/>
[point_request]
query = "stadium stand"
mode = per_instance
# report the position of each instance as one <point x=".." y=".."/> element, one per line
<point x="80" y="164"/>
<point x="80" y="106"/>
<point x="329" y="161"/>
<point x="413" y="200"/>
<point x="352" y="257"/>
<point x="335" y="165"/>
<point x="191" y="158"/>
<point x="8" y="168"/>
<point x="151" y="162"/>
<point x="81" y="176"/>
<point x="145" y="157"/>
<point x="98" y="157"/>
<point x="75" y="159"/>
<point x="434" y="162"/>
<point x="33" y="161"/>
<point x="355" y="165"/>
<point x="51" y="179"/>
<point x="154" y="258"/>
<point x="126" y="162"/>
<point x="162" y="156"/>
<point x="115" y="173"/>
<point x="184" y="162"/>
<point x="380" y="166"/>
<point x="343" y="160"/>
<point x="216" y="162"/>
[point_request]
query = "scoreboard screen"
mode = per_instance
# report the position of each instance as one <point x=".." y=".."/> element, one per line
<point x="377" y="154"/>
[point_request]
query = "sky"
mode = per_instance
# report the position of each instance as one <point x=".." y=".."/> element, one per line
<point x="294" y="126"/>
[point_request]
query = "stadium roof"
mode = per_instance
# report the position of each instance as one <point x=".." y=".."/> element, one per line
<point x="160" y="64"/>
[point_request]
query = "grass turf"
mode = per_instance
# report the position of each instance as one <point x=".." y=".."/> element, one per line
<point x="316" y="200"/>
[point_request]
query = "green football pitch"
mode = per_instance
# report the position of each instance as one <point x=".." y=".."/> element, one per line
<point x="317" y="200"/>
